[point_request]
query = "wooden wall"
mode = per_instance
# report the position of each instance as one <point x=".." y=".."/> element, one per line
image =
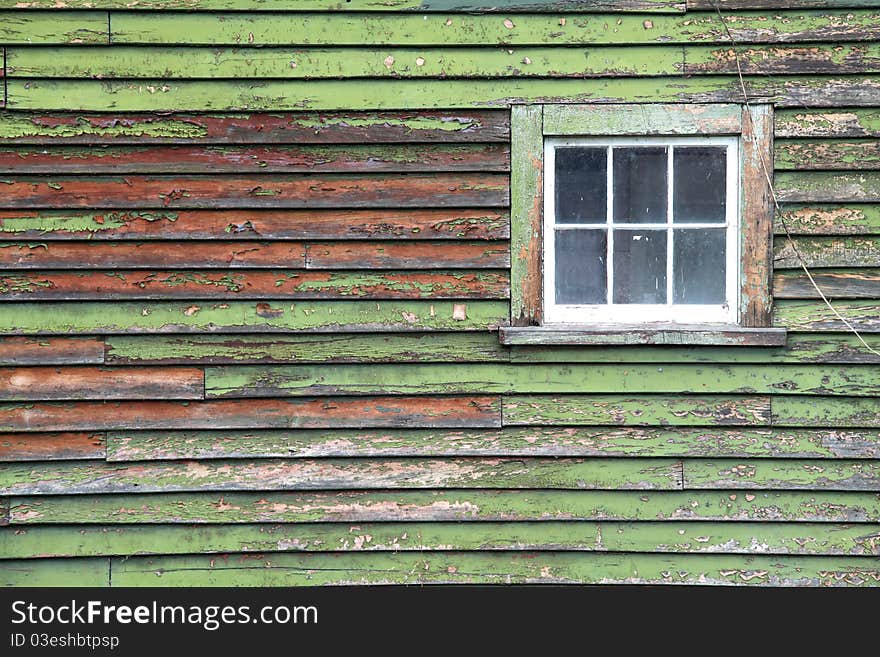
<point x="252" y="265"/>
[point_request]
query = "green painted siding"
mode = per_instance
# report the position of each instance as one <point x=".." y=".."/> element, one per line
<point x="253" y="262"/>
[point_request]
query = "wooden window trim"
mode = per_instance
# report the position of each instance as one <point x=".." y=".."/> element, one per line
<point x="530" y="124"/>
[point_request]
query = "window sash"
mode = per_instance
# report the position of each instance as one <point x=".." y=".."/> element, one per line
<point x="642" y="313"/>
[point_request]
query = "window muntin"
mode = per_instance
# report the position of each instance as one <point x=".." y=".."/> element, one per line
<point x="641" y="230"/>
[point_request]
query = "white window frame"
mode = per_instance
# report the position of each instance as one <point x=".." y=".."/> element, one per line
<point x="668" y="313"/>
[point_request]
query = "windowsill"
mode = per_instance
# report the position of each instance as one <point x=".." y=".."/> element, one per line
<point x="718" y="335"/>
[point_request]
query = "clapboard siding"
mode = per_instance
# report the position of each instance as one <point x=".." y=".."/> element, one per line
<point x="253" y="262"/>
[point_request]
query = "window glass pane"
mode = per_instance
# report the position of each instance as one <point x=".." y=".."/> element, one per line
<point x="581" y="182"/>
<point x="698" y="266"/>
<point x="700" y="184"/>
<point x="580" y="266"/>
<point x="640" y="266"/>
<point x="640" y="185"/>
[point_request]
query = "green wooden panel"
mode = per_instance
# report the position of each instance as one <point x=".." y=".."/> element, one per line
<point x="510" y="441"/>
<point x="447" y="505"/>
<point x="238" y="316"/>
<point x="783" y="59"/>
<point x="316" y="63"/>
<point x="53" y="28"/>
<point x="642" y="119"/>
<point x="828" y="219"/>
<point x="486" y="568"/>
<point x="837" y="122"/>
<point x="827" y="187"/>
<point x="530" y="29"/>
<point x="800" y="347"/>
<point x="419" y="6"/>
<point x="864" y="316"/>
<point x="846" y="251"/>
<point x="335" y="348"/>
<point x="852" y="283"/>
<point x="829" y="412"/>
<point x="668" y="537"/>
<point x="800" y="154"/>
<point x="440" y="379"/>
<point x="673" y="410"/>
<point x="231" y="95"/>
<point x="55" y="572"/>
<point x="72" y="477"/>
<point x="789" y="474"/>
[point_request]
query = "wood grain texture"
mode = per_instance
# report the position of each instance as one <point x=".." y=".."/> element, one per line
<point x="327" y="412"/>
<point x="52" y="446"/>
<point x="38" y="383"/>
<point x="788" y="474"/>
<point x="832" y="122"/>
<point x="279" y="284"/>
<point x="54" y="28"/>
<point x="834" y="284"/>
<point x="803" y="154"/>
<point x="265" y="191"/>
<point x="417" y="6"/>
<point x="829" y="219"/>
<point x="828" y="187"/>
<point x="348" y="127"/>
<point x="51" y="351"/>
<point x="825" y="251"/>
<point x="816" y="316"/>
<point x="338" y="474"/>
<point x="629" y="442"/>
<point x="446" y="505"/>
<point x="253" y="225"/>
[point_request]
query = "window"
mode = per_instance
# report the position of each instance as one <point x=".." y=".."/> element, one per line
<point x="641" y="223"/>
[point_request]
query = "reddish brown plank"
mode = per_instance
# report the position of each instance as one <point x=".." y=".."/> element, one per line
<point x="262" y="128"/>
<point x="51" y="446"/>
<point x="26" y="383"/>
<point x="406" y="255"/>
<point x="261" y="159"/>
<point x="51" y="351"/>
<point x="445" y="223"/>
<point x="150" y="255"/>
<point x="241" y="255"/>
<point x="280" y="284"/>
<point x="328" y="412"/>
<point x="268" y="191"/>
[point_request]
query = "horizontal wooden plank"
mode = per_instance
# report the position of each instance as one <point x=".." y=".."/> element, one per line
<point x="736" y="5"/>
<point x="277" y="284"/>
<point x="705" y="335"/>
<point x="338" y="474"/>
<point x="618" y="410"/>
<point x="460" y="30"/>
<point x="265" y="191"/>
<point x="56" y="572"/>
<point x="326" y="412"/>
<point x="448" y="223"/>
<point x="53" y="28"/>
<point x="844" y="251"/>
<point x="826" y="219"/>
<point x="319" y="95"/>
<point x="27" y="383"/>
<point x="311" y="569"/>
<point x="498" y="378"/>
<point x="327" y="348"/>
<point x="332" y="158"/>
<point x="52" y="446"/>
<point x="349" y="127"/>
<point x="816" y="316"/>
<point x="804" y="154"/>
<point x="836" y="59"/>
<point x="834" y="283"/>
<point x="822" y="187"/>
<point x="137" y="62"/>
<point x="51" y="351"/>
<point x="837" y="122"/>
<point x="418" y="6"/>
<point x="800" y="348"/>
<point x="216" y="254"/>
<point x="642" y="119"/>
<point x="446" y="505"/>
<point x="782" y="474"/>
<point x="68" y="317"/>
<point x="829" y="412"/>
<point x="667" y="537"/>
<point x="510" y="441"/>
